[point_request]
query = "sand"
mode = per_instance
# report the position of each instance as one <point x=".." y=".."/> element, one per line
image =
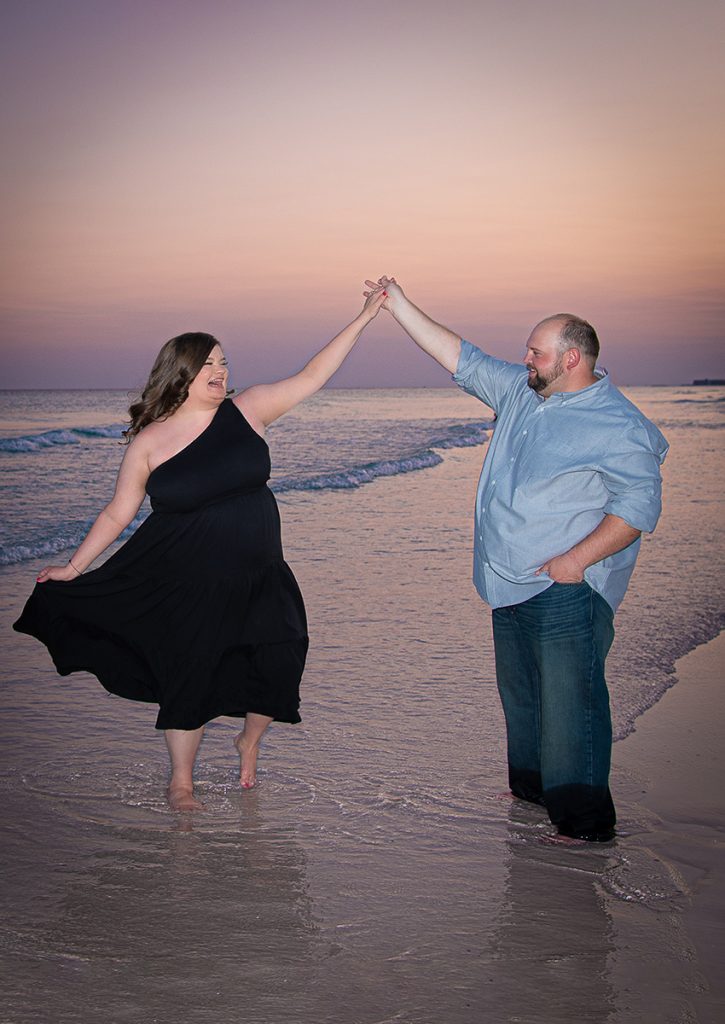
<point x="675" y="769"/>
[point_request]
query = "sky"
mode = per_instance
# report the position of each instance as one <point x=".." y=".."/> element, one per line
<point x="242" y="167"/>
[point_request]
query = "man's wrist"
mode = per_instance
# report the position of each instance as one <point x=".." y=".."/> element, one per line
<point x="577" y="559"/>
<point x="397" y="303"/>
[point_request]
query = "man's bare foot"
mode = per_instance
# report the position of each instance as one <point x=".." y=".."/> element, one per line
<point x="559" y="840"/>
<point x="247" y="761"/>
<point x="181" y="798"/>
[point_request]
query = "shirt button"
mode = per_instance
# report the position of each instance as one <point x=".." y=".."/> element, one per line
<point x="525" y="433"/>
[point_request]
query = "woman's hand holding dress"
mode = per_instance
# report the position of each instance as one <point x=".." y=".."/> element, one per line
<point x="64" y="573"/>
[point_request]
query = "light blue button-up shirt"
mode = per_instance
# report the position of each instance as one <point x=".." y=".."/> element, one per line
<point x="554" y="468"/>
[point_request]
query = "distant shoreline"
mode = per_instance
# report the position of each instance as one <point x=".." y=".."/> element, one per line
<point x="704" y="382"/>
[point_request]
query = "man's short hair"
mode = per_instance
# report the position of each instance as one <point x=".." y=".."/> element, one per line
<point x="577" y="333"/>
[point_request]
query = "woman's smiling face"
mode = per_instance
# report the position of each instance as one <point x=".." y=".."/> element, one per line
<point x="211" y="380"/>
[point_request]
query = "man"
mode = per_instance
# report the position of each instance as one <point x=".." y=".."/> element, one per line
<point x="570" y="481"/>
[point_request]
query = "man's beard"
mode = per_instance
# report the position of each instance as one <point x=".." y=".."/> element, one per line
<point x="538" y="383"/>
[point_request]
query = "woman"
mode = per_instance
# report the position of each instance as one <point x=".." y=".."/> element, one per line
<point x="198" y="611"/>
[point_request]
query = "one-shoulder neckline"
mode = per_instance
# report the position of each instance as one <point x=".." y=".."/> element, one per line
<point x="256" y="433"/>
<point x="189" y="445"/>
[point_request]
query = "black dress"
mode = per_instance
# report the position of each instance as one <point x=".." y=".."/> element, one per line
<point x="198" y="611"/>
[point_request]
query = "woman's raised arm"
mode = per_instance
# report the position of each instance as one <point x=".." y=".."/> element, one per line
<point x="262" y="404"/>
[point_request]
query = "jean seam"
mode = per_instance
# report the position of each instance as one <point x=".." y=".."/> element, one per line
<point x="592" y="663"/>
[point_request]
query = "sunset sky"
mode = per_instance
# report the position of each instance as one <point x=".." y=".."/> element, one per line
<point x="241" y="167"/>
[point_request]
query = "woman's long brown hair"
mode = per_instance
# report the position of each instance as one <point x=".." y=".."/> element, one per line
<point x="176" y="365"/>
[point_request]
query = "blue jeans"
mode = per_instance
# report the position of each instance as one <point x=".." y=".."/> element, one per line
<point x="550" y="654"/>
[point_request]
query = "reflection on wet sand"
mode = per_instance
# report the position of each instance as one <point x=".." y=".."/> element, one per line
<point x="551" y="894"/>
<point x="588" y="933"/>
<point x="159" y="924"/>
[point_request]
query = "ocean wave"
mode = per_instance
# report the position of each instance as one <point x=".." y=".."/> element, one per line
<point x="458" y="435"/>
<point x="57" y="438"/>
<point x="11" y="554"/>
<point x="463" y="435"/>
<point x="698" y="401"/>
<point x="346" y="479"/>
<point x="688" y="425"/>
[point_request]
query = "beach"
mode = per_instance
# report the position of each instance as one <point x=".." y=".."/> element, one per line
<point x="379" y="872"/>
<point x="674" y="766"/>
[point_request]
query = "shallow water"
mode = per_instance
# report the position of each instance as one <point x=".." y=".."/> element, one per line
<point x="377" y="873"/>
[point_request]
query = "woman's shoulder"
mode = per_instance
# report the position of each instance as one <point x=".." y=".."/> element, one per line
<point x="151" y="433"/>
<point x="245" y="402"/>
<point x="151" y="437"/>
<point x="240" y="398"/>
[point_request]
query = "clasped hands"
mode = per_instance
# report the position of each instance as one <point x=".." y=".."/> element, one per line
<point x="389" y="288"/>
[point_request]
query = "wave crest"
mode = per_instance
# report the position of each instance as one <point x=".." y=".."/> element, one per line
<point x="57" y="438"/>
<point x="458" y="435"/>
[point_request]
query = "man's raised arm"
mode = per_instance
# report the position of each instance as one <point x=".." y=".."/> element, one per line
<point x="440" y="343"/>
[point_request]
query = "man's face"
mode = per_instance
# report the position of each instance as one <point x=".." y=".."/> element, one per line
<point x="543" y="359"/>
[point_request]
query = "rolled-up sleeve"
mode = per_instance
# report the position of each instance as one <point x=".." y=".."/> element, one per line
<point x="632" y="476"/>
<point x="484" y="377"/>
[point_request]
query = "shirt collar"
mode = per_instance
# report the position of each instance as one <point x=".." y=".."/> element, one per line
<point x="590" y="391"/>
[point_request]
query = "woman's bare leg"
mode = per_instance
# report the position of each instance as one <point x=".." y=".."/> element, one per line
<point x="183" y="745"/>
<point x="247" y="743"/>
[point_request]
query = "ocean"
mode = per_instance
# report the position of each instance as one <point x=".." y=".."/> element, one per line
<point x="376" y="873"/>
<point x="60" y="450"/>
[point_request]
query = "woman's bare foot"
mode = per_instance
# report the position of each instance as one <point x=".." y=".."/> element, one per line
<point x="247" y="761"/>
<point x="183" y="745"/>
<point x="181" y="798"/>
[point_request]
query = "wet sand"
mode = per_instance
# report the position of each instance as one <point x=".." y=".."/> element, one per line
<point x="115" y="910"/>
<point x="674" y="766"/>
<point x="378" y="873"/>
